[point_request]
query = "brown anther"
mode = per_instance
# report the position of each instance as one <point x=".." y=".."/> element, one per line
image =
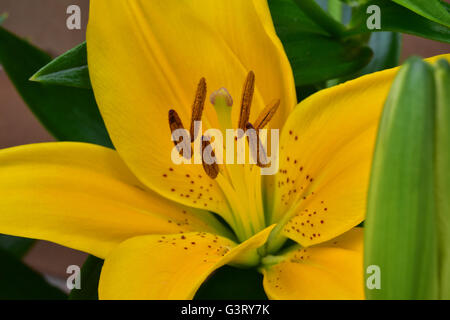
<point x="198" y="105"/>
<point x="175" y="124"/>
<point x="267" y="114"/>
<point x="174" y="121"/>
<point x="246" y="102"/>
<point x="260" y="152"/>
<point x="212" y="170"/>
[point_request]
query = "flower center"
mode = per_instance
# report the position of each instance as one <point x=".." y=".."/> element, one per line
<point x="239" y="179"/>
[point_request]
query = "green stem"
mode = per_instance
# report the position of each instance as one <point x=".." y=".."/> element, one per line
<point x="322" y="18"/>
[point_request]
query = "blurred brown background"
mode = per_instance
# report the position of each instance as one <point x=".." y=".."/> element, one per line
<point x="44" y="23"/>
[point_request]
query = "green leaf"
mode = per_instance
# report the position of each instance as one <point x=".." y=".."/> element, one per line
<point x="343" y="13"/>
<point x="354" y="3"/>
<point x="18" y="247"/>
<point x="430" y="9"/>
<point x="446" y="5"/>
<point x="18" y="281"/>
<point x="290" y="20"/>
<point x="69" y="69"/>
<point x="442" y="76"/>
<point x="386" y="47"/>
<point x="314" y="11"/>
<point x="315" y="56"/>
<point x="400" y="227"/>
<point x="398" y="19"/>
<point x="229" y="283"/>
<point x="70" y="114"/>
<point x="335" y="9"/>
<point x="90" y="276"/>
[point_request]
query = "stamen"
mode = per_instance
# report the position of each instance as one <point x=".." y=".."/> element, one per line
<point x="197" y="107"/>
<point x="212" y="170"/>
<point x="267" y="114"/>
<point x="247" y="96"/>
<point x="175" y="124"/>
<point x="260" y="152"/>
<point x="174" y="121"/>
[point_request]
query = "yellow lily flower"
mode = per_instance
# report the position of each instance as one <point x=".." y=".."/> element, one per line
<point x="154" y="222"/>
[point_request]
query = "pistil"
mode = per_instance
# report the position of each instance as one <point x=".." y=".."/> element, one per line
<point x="222" y="102"/>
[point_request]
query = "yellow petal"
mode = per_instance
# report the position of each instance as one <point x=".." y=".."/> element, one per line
<point x="170" y="267"/>
<point x="326" y="154"/>
<point x="333" y="270"/>
<point x="83" y="196"/>
<point x="146" y="57"/>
